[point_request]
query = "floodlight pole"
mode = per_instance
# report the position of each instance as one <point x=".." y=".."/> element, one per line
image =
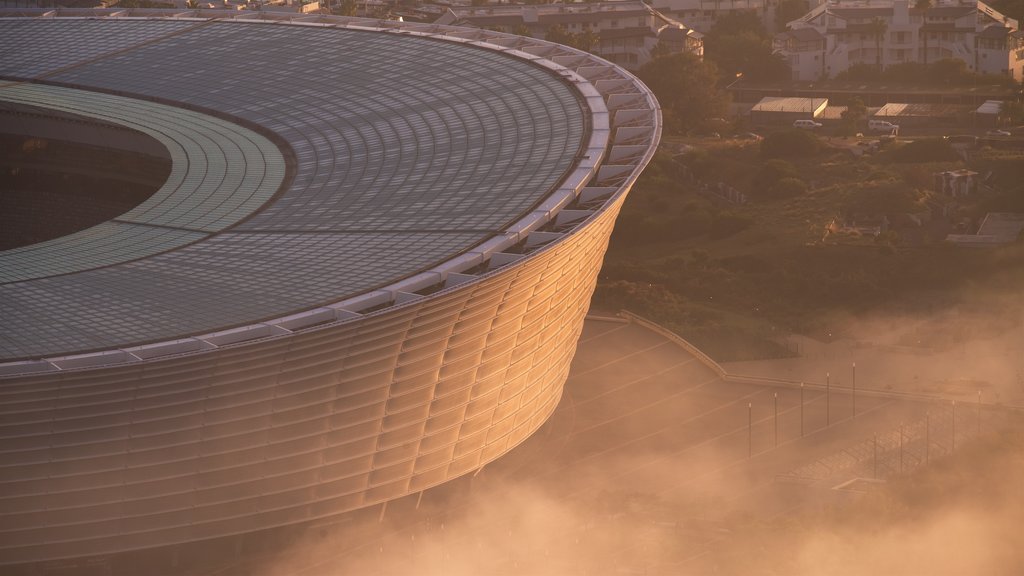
<point x="927" y="437"/>
<point x="750" y="423"/>
<point x="953" y="449"/>
<point x="901" y="449"/>
<point x="854" y="390"/>
<point x="801" y="409"/>
<point x="874" y="459"/>
<point x="979" y="412"/>
<point x="776" y="419"/>
<point x="828" y="399"/>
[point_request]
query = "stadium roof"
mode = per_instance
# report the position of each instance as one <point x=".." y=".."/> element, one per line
<point x="394" y="153"/>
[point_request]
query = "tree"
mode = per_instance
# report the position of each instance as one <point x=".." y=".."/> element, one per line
<point x="854" y="115"/>
<point x="522" y="30"/>
<point x="878" y="29"/>
<point x="790" y="143"/>
<point x="860" y="73"/>
<point x="930" y="150"/>
<point x="1013" y="111"/>
<point x="558" y="34"/>
<point x="660" y="49"/>
<point x="347" y="8"/>
<point x="585" y="40"/>
<point x="787" y="11"/>
<point x="948" y="71"/>
<point x="687" y="89"/>
<point x="738" y="22"/>
<point x="788" y="188"/>
<point x="881" y="198"/>
<point x="738" y="43"/>
<point x="771" y="173"/>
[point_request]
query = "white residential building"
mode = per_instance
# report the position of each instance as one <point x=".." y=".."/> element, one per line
<point x="836" y="35"/>
<point x="626" y="32"/>
<point x="702" y="14"/>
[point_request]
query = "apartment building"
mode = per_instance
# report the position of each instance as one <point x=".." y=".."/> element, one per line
<point x="626" y="33"/>
<point x="837" y="35"/>
<point x="702" y="14"/>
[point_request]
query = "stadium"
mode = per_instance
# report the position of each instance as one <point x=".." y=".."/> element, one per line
<point x="364" y="275"/>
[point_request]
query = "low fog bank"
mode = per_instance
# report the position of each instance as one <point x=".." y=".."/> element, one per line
<point x="960" y="515"/>
<point x="955" y="351"/>
<point x="637" y="497"/>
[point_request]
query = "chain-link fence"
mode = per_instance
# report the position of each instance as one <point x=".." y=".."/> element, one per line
<point x="900" y="450"/>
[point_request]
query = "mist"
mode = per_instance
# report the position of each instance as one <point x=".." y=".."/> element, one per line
<point x="644" y="469"/>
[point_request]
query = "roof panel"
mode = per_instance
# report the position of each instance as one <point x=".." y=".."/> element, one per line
<point x="407" y="152"/>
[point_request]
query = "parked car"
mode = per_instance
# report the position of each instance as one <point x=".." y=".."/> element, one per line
<point x="883" y="126"/>
<point x="806" y="124"/>
<point x="998" y="133"/>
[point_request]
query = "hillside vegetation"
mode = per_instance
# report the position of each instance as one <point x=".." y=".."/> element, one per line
<point x="735" y="279"/>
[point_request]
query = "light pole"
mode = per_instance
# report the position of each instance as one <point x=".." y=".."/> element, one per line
<point x="776" y="419"/>
<point x="927" y="437"/>
<point x="737" y="79"/>
<point x="750" y="422"/>
<point x="901" y="449"/>
<point x="979" y="412"/>
<point x="801" y="409"/>
<point x="874" y="459"/>
<point x="954" y="427"/>
<point x="738" y="76"/>
<point x="828" y="399"/>
<point x="854" y="381"/>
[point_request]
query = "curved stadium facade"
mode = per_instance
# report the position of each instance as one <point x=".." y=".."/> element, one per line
<point x="365" y="275"/>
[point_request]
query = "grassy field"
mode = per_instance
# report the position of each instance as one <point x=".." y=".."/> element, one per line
<point x="735" y="279"/>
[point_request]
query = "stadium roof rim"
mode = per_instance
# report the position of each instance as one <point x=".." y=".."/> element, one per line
<point x="625" y="128"/>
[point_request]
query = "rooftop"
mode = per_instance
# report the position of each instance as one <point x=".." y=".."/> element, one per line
<point x="790" y="104"/>
<point x="406" y="152"/>
<point x="899" y="109"/>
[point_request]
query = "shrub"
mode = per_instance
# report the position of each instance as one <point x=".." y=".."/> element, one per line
<point x="725" y="224"/>
<point x="692" y="220"/>
<point x="790" y="143"/>
<point x="788" y="188"/>
<point x="881" y="198"/>
<point x="771" y="172"/>
<point x="930" y="150"/>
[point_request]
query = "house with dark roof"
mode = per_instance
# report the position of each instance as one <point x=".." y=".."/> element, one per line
<point x="837" y="35"/>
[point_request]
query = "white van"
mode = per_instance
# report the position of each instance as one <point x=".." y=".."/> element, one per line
<point x="883" y="126"/>
<point x="806" y="124"/>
